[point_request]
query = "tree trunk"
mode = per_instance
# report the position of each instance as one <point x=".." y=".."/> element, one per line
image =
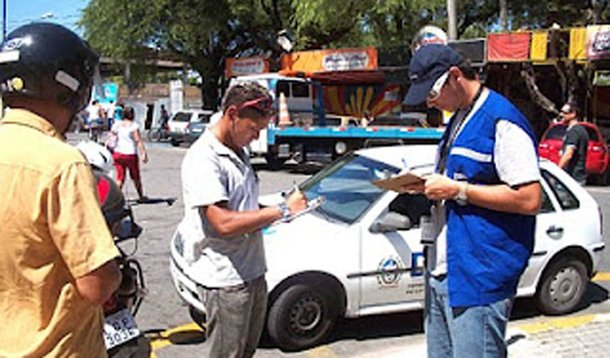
<point x="504" y="15"/>
<point x="528" y="75"/>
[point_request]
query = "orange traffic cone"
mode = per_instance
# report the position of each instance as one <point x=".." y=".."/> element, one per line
<point x="284" y="114"/>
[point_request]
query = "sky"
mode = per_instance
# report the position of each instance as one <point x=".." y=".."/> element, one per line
<point x="65" y="12"/>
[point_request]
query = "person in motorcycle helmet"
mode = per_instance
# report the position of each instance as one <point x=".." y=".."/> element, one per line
<point x="56" y="248"/>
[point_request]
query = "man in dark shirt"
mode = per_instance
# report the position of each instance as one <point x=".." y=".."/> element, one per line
<point x="574" y="149"/>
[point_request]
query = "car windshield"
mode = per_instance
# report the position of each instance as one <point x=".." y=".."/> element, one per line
<point x="182" y="117"/>
<point x="346" y="186"/>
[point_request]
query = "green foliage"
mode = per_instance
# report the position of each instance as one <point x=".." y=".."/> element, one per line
<point x="203" y="33"/>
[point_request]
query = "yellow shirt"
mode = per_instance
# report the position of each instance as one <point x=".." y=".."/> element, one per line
<point x="51" y="232"/>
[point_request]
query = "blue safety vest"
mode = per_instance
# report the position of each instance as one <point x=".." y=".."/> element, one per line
<point x="487" y="250"/>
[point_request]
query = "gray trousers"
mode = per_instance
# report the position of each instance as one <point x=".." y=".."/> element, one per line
<point x="235" y="318"/>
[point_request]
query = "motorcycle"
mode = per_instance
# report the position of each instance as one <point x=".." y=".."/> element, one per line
<point x="120" y="328"/>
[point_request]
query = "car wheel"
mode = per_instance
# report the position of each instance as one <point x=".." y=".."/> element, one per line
<point x="198" y="317"/>
<point x="302" y="316"/>
<point x="562" y="286"/>
<point x="273" y="162"/>
<point x="175" y="142"/>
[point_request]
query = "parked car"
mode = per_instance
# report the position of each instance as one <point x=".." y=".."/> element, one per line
<point x="598" y="154"/>
<point x="187" y="125"/>
<point x="359" y="253"/>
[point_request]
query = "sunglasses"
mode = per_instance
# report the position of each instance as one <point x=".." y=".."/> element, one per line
<point x="438" y="85"/>
<point x="264" y="105"/>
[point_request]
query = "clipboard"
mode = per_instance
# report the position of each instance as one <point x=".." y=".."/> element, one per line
<point x="311" y="206"/>
<point x="398" y="182"/>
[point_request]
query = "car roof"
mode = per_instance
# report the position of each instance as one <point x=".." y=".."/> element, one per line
<point x="413" y="155"/>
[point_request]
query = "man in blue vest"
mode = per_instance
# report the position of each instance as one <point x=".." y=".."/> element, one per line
<point x="487" y="192"/>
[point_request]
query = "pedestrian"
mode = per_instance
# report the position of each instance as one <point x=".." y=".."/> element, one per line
<point x="222" y="223"/>
<point x="125" y="152"/>
<point x="57" y="262"/>
<point x="110" y="111"/>
<point x="575" y="144"/>
<point x="164" y="118"/>
<point x="95" y="119"/>
<point x="487" y="192"/>
<point x="118" y="112"/>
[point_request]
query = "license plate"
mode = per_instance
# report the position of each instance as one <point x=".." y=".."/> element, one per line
<point x="119" y="328"/>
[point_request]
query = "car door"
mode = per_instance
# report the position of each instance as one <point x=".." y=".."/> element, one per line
<point x="392" y="260"/>
<point x="557" y="223"/>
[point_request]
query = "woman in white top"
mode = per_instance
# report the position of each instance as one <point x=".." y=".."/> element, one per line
<point x="125" y="153"/>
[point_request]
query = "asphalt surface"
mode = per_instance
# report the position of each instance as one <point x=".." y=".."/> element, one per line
<point x="169" y="330"/>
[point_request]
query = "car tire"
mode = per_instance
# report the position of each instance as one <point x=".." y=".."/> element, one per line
<point x="302" y="316"/>
<point x="273" y="162"/>
<point x="562" y="286"/>
<point x="175" y="142"/>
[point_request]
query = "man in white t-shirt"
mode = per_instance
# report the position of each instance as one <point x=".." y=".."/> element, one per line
<point x="222" y="223"/>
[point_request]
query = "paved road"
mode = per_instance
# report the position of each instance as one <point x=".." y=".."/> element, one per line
<point x="166" y="320"/>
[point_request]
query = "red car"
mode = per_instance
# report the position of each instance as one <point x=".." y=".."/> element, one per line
<point x="597" y="153"/>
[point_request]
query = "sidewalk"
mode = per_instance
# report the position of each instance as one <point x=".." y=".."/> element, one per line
<point x="578" y="336"/>
<point x="567" y="337"/>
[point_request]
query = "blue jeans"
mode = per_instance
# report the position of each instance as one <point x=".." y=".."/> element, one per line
<point x="459" y="332"/>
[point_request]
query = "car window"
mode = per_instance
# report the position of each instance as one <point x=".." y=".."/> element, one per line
<point x="413" y="206"/>
<point x="556" y="132"/>
<point x="566" y="198"/>
<point x="182" y="117"/>
<point x="592" y="133"/>
<point x="346" y="186"/>
<point x="300" y="89"/>
<point x="282" y="87"/>
<point x="547" y="204"/>
<point x="203" y="118"/>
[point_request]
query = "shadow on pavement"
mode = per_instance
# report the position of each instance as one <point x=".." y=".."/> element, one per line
<point x="147" y="201"/>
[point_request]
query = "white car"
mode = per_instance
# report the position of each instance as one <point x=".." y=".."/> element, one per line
<point x="359" y="253"/>
<point x="182" y="125"/>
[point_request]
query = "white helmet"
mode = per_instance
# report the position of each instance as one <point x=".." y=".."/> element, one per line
<point x="97" y="155"/>
<point x="427" y="35"/>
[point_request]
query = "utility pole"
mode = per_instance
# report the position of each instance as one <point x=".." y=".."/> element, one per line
<point x="452" y="19"/>
<point x="504" y="14"/>
<point x="3" y="20"/>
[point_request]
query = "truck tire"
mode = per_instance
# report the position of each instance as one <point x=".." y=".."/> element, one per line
<point x="273" y="162"/>
<point x="562" y="286"/>
<point x="302" y="316"/>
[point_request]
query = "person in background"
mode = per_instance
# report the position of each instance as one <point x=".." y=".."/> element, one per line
<point x="118" y="112"/>
<point x="57" y="262"/>
<point x="95" y="118"/>
<point x="125" y="153"/>
<point x="222" y="223"/>
<point x="110" y="113"/>
<point x="486" y="192"/>
<point x="164" y="117"/>
<point x="575" y="144"/>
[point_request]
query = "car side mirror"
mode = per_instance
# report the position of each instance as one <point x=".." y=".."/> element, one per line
<point x="390" y="221"/>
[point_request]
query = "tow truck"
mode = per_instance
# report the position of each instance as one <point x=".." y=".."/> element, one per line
<point x="319" y="129"/>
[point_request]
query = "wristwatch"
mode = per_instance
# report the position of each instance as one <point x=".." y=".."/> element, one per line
<point x="461" y="198"/>
<point x="285" y="210"/>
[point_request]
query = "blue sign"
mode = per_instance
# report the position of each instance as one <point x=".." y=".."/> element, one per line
<point x="108" y="92"/>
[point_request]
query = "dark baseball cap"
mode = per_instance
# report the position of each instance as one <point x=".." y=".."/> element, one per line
<point x="427" y="65"/>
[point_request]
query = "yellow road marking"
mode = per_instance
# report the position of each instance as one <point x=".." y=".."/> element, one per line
<point x="558" y="323"/>
<point x="162" y="339"/>
<point x="602" y="276"/>
<point x="321" y="352"/>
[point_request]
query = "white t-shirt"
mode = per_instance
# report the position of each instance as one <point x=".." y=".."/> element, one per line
<point x="126" y="143"/>
<point x="213" y="173"/>
<point x="516" y="163"/>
